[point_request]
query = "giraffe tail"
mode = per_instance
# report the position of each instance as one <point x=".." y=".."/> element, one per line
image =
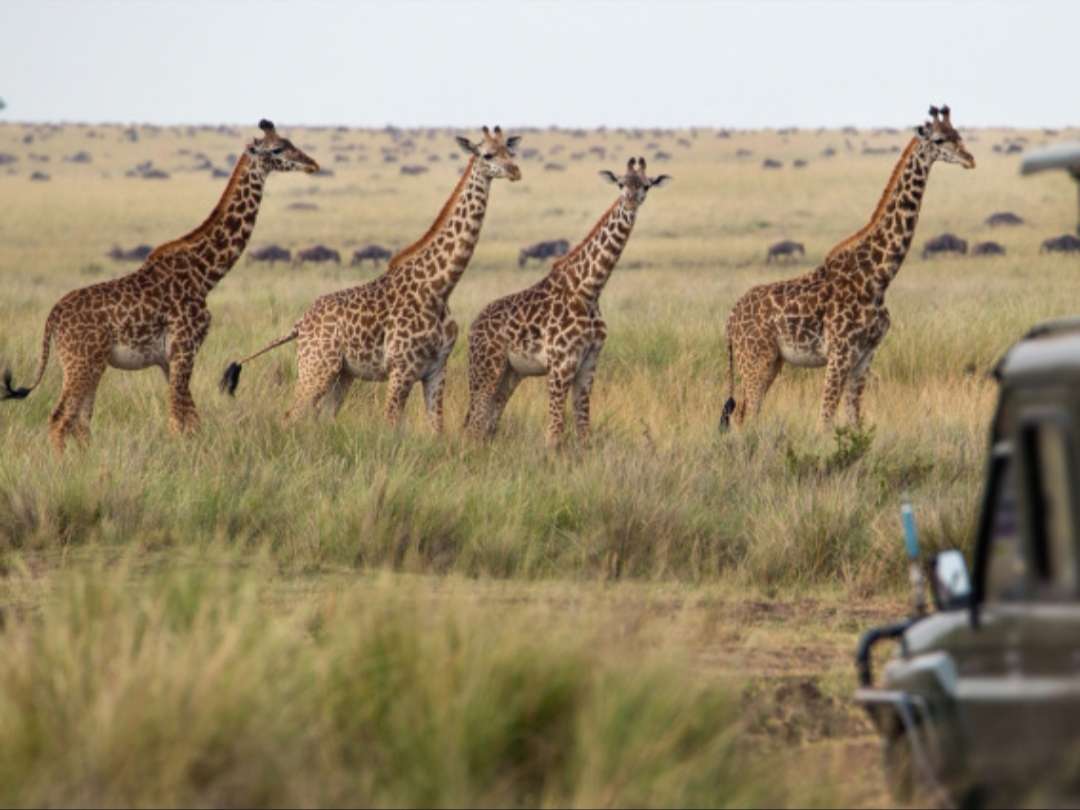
<point x="729" y="405"/>
<point x="231" y="378"/>
<point x="10" y="391"/>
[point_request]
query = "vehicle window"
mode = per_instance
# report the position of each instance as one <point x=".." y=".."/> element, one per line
<point x="1048" y="449"/>
<point x="1007" y="565"/>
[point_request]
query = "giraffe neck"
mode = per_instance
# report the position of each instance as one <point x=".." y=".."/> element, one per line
<point x="441" y="255"/>
<point x="877" y="251"/>
<point x="207" y="253"/>
<point x="585" y="270"/>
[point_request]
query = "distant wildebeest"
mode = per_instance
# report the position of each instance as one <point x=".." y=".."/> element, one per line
<point x="828" y="152"/>
<point x="946" y="243"/>
<point x="147" y="171"/>
<point x="543" y="250"/>
<point x="317" y="254"/>
<point x="136" y="254"/>
<point x="771" y="163"/>
<point x="1066" y="243"/>
<point x="784" y="248"/>
<point x="270" y="253"/>
<point x="1003" y="218"/>
<point x="988" y="249"/>
<point x="554" y="167"/>
<point x="374" y="253"/>
<point x="39" y="176"/>
<point x="799" y="163"/>
<point x="301" y="205"/>
<point x="413" y="168"/>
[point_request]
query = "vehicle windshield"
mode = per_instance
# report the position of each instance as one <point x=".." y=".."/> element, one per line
<point x="1007" y="566"/>
<point x="1047" y="448"/>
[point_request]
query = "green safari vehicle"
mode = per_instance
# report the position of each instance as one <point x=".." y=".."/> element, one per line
<point x="980" y="705"/>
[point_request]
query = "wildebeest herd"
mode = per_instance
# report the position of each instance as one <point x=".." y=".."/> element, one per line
<point x="950" y="243"/>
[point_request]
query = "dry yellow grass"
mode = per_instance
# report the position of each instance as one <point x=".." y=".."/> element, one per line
<point x="776" y="515"/>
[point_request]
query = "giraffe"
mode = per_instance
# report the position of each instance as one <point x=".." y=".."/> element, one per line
<point x="835" y="316"/>
<point x="397" y="327"/>
<point x="157" y="316"/>
<point x="554" y="327"/>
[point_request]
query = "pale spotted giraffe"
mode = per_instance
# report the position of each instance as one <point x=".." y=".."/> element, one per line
<point x="398" y="326"/>
<point x="835" y="316"/>
<point x="554" y="328"/>
<point x="157" y="316"/>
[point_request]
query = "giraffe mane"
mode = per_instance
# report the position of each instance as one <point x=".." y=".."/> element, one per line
<point x="558" y="264"/>
<point x="440" y="220"/>
<point x="894" y="178"/>
<point x="189" y="237"/>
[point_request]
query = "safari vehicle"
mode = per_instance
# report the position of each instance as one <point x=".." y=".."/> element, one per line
<point x="981" y="703"/>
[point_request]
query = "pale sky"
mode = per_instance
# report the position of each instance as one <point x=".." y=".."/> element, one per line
<point x="526" y="62"/>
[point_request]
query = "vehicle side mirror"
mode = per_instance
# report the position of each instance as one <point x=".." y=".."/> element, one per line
<point x="951" y="582"/>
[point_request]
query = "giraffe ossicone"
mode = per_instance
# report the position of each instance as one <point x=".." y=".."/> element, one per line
<point x="157" y="315"/>
<point x="554" y="328"/>
<point x="397" y="327"/>
<point x="835" y="316"/>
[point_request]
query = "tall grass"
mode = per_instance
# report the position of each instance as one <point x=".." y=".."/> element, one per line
<point x="173" y="689"/>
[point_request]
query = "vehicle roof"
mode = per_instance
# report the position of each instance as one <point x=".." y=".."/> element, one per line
<point x="1059" y="156"/>
<point x="1049" y="349"/>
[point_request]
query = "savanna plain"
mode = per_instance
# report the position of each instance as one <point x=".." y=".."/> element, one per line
<point x="337" y="613"/>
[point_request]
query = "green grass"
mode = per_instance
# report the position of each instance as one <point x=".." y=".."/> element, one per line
<point x="340" y="613"/>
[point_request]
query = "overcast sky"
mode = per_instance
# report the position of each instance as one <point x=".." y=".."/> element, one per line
<point x="525" y="62"/>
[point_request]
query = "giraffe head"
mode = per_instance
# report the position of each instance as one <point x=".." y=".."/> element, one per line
<point x="494" y="154"/>
<point x="635" y="184"/>
<point x="942" y="140"/>
<point x="274" y="153"/>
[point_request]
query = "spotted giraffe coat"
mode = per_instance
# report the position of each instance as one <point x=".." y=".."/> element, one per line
<point x="397" y="327"/>
<point x="157" y="315"/>
<point x="835" y="316"/>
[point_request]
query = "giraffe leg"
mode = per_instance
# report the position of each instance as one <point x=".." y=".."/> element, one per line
<point x="508" y="383"/>
<point x="335" y="397"/>
<point x="756" y="376"/>
<point x="559" y="381"/>
<point x="487" y="365"/>
<point x="837" y="376"/>
<point x="856" y="385"/>
<point x="583" y="382"/>
<point x="435" y="382"/>
<point x="71" y="417"/>
<point x="316" y="377"/>
<point x="183" y="416"/>
<point x="401" y="383"/>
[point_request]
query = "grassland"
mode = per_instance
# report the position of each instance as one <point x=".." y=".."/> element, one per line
<point x="337" y="613"/>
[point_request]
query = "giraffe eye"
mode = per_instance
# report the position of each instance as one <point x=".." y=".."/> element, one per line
<point x="488" y="155"/>
<point x="277" y="150"/>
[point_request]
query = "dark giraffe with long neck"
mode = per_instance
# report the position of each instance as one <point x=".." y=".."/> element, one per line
<point x="398" y="326"/>
<point x="157" y="316"/>
<point x="554" y="328"/>
<point x="835" y="316"/>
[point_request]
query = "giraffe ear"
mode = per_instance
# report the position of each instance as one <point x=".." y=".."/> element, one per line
<point x="251" y="150"/>
<point x="920" y="130"/>
<point x="467" y="146"/>
<point x="610" y="177"/>
<point x="662" y="180"/>
<point x="513" y="141"/>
